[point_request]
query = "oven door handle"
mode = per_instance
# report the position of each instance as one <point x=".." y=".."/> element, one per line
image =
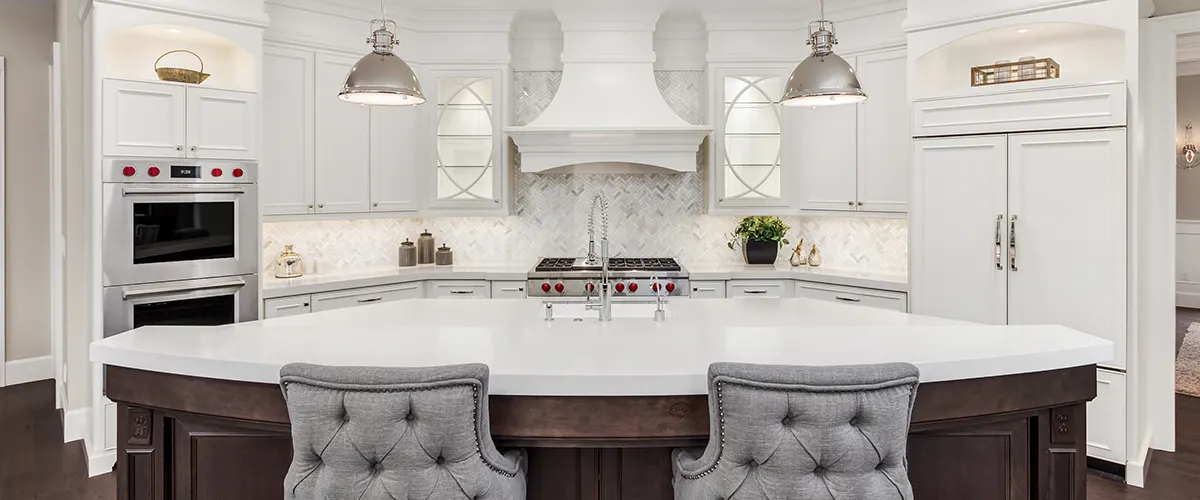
<point x="170" y="191"/>
<point x="232" y="283"/>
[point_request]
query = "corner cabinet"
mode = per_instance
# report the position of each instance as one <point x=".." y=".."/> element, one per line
<point x="464" y="167"/>
<point x="175" y="120"/>
<point x="323" y="155"/>
<point x="748" y="146"/>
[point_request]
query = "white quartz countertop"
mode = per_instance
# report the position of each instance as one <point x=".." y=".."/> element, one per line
<point x="625" y="357"/>
<point x="517" y="271"/>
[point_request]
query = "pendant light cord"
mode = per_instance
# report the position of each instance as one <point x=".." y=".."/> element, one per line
<point x="822" y="3"/>
<point x="383" y="10"/>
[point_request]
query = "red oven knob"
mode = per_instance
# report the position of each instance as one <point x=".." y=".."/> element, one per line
<point x="632" y="287"/>
<point x="237" y="172"/>
<point x="545" y="288"/>
<point x="153" y="171"/>
<point x="216" y="172"/>
<point x="654" y="287"/>
<point x="128" y="171"/>
<point x="591" y="287"/>
<point x="670" y="287"/>
<point x="620" y="287"/>
<point x="558" y="287"/>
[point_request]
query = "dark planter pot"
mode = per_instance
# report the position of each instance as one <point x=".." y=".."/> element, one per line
<point x="760" y="252"/>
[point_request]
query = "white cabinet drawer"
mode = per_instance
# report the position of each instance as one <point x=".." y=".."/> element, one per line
<point x="1055" y="108"/>
<point x="895" y="301"/>
<point x="708" y="290"/>
<point x="459" y="290"/>
<point x="1106" y="418"/>
<point x="508" y="290"/>
<point x="761" y="289"/>
<point x="283" y="307"/>
<point x="329" y="301"/>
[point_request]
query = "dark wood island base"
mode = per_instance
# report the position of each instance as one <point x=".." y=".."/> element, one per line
<point x="1003" y="438"/>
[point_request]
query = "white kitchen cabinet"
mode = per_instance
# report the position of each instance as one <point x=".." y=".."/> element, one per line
<point x="508" y="290"/>
<point x="465" y="113"/>
<point x="749" y="150"/>
<point x="286" y="179"/>
<point x="343" y="142"/>
<point x="884" y="172"/>
<point x="959" y="229"/>
<point x="395" y="137"/>
<point x="341" y="299"/>
<point x="758" y="289"/>
<point x="222" y="124"/>
<point x="708" y="290"/>
<point x="173" y="120"/>
<point x="1106" y="418"/>
<point x="882" y="299"/>
<point x="827" y="157"/>
<point x="144" y="119"/>
<point x="283" y="307"/>
<point x="1067" y="223"/>
<point x="459" y="290"/>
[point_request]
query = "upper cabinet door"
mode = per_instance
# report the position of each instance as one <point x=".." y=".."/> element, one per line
<point x="288" y="167"/>
<point x="395" y="156"/>
<point x="884" y="141"/>
<point x="343" y="142"/>
<point x="825" y="156"/>
<point x="1067" y="205"/>
<point x="222" y="124"/>
<point x="144" y="119"/>
<point x="748" y="144"/>
<point x="959" y="229"/>
<point x="468" y="153"/>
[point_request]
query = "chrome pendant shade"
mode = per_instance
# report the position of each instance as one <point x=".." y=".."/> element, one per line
<point x="382" y="78"/>
<point x="824" y="78"/>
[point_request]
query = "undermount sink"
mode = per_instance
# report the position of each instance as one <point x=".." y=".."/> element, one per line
<point x="619" y="311"/>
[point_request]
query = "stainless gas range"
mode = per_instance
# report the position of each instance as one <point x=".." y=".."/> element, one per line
<point x="631" y="277"/>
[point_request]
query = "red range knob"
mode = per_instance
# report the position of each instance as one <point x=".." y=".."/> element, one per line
<point x="632" y="287"/>
<point x="620" y="287"/>
<point x="546" y="287"/>
<point x="237" y="172"/>
<point x="558" y="287"/>
<point x="216" y="172"/>
<point x="153" y="171"/>
<point x="591" y="287"/>
<point x="670" y="287"/>
<point x="128" y="171"/>
<point x="654" y="287"/>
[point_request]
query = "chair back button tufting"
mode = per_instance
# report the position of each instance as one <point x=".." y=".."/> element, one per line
<point x="441" y="460"/>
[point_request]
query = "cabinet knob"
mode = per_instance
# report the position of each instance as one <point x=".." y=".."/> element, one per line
<point x="860" y="203"/>
<point x="306" y="304"/>
<point x="310" y="207"/>
<point x="375" y="204"/>
<point x="178" y="148"/>
<point x="851" y="203"/>
<point x="319" y="205"/>
<point x="193" y="149"/>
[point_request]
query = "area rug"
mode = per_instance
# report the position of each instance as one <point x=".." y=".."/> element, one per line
<point x="1187" y="363"/>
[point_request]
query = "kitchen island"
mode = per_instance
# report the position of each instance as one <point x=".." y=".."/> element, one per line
<point x="599" y="406"/>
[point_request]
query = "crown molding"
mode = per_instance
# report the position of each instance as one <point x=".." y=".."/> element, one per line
<point x="794" y="19"/>
<point x="257" y="20"/>
<point x="996" y="14"/>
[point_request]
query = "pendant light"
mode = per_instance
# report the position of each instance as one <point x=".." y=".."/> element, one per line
<point x="824" y="79"/>
<point x="382" y="78"/>
<point x="1189" y="156"/>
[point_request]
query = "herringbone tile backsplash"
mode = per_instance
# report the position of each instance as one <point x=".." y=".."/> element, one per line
<point x="651" y="214"/>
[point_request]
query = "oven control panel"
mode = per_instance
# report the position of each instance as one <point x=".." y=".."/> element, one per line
<point x="178" y="171"/>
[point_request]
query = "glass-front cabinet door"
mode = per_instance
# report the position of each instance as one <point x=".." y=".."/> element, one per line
<point x="749" y="145"/>
<point x="468" y="167"/>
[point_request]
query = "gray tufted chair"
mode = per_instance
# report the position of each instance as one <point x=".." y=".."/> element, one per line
<point x="811" y="433"/>
<point x="395" y="433"/>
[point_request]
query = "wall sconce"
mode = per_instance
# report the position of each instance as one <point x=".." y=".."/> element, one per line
<point x="1188" y="157"/>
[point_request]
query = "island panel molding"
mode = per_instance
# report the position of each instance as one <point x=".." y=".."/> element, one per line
<point x="191" y="437"/>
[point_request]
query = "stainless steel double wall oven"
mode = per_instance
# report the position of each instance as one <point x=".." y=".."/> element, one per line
<point x="180" y="243"/>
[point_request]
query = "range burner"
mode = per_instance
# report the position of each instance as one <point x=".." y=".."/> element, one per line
<point x="614" y="264"/>
<point x="556" y="264"/>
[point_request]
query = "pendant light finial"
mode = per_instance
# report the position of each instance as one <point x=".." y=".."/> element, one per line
<point x="824" y="78"/>
<point x="382" y="78"/>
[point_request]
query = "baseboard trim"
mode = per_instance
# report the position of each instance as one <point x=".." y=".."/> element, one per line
<point x="75" y="424"/>
<point x="1106" y="467"/>
<point x="1135" y="470"/>
<point x="23" y="371"/>
<point x="101" y="462"/>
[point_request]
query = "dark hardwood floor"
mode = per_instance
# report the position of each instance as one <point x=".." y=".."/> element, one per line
<point x="34" y="464"/>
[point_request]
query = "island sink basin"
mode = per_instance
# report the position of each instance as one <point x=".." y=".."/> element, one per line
<point x="572" y="311"/>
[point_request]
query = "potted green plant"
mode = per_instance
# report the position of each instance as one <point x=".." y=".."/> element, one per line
<point x="760" y="237"/>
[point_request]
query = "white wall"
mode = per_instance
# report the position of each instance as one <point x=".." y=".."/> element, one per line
<point x="26" y="35"/>
<point x="1168" y="7"/>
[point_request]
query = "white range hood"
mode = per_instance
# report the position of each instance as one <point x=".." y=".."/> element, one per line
<point x="608" y="112"/>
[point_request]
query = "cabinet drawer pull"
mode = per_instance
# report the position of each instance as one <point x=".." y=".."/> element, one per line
<point x="372" y="299"/>
<point x="846" y="299"/>
<point x="522" y="289"/>
<point x="999" y="224"/>
<point x="754" y="292"/>
<point x="1012" y="244"/>
<point x="704" y="289"/>
<point x="289" y="306"/>
<point x="462" y="292"/>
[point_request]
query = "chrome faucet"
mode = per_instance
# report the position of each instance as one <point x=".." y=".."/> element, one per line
<point x="601" y="201"/>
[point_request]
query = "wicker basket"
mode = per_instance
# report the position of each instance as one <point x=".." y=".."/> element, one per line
<point x="181" y="75"/>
